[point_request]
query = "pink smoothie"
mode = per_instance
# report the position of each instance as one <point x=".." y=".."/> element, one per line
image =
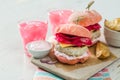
<point x="57" y="17"/>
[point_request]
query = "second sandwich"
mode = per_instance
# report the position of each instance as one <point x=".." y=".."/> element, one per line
<point x="73" y="41"/>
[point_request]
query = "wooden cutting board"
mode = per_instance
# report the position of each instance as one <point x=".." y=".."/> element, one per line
<point x="78" y="71"/>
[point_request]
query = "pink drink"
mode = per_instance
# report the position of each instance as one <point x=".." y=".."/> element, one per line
<point x="58" y="17"/>
<point x="32" y="31"/>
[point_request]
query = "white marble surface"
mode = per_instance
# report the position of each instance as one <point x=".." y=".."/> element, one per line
<point x="14" y="65"/>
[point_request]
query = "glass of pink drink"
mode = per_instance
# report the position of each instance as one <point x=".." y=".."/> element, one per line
<point x="57" y="17"/>
<point x="32" y="31"/>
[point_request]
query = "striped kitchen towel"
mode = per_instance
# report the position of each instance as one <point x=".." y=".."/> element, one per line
<point x="43" y="75"/>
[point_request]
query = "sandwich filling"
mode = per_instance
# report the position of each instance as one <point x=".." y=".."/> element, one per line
<point x="74" y="40"/>
<point x="71" y="52"/>
<point x="71" y="57"/>
<point x="94" y="27"/>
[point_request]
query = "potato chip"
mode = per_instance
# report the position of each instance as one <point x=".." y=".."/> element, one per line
<point x="114" y="24"/>
<point x="102" y="50"/>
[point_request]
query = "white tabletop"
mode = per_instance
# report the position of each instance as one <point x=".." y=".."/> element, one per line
<point x="14" y="65"/>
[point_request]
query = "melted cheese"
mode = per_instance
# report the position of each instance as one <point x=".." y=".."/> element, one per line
<point x="65" y="45"/>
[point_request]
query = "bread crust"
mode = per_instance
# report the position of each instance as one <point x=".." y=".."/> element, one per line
<point x="63" y="59"/>
<point x="74" y="29"/>
<point x="85" y="18"/>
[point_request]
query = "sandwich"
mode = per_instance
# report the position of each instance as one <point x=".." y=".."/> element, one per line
<point x="89" y="19"/>
<point x="73" y="41"/>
